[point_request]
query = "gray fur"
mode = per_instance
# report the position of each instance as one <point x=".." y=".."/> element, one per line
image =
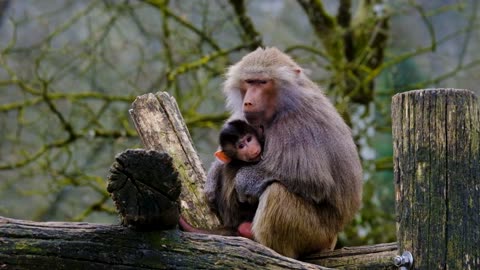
<point x="212" y="184"/>
<point x="222" y="196"/>
<point x="308" y="147"/>
<point x="250" y="183"/>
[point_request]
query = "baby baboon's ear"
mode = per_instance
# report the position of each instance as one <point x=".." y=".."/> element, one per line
<point x="221" y="156"/>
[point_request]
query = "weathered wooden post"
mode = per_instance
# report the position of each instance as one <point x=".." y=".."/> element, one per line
<point x="437" y="177"/>
<point x="160" y="125"/>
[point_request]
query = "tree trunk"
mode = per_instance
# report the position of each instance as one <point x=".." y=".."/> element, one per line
<point x="437" y="177"/>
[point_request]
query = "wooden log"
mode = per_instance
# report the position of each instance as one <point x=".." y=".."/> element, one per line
<point x="61" y="245"/>
<point x="378" y="256"/>
<point x="161" y="127"/>
<point x="75" y="245"/>
<point x="437" y="177"/>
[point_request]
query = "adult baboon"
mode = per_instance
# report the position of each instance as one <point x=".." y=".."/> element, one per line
<point x="309" y="182"/>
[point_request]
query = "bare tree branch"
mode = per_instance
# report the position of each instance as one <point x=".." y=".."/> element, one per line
<point x="252" y="36"/>
<point x="162" y="5"/>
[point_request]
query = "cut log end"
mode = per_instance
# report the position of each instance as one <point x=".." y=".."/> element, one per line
<point x="145" y="189"/>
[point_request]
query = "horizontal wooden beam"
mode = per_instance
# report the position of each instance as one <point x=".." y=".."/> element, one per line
<point x="378" y="256"/>
<point x="75" y="245"/>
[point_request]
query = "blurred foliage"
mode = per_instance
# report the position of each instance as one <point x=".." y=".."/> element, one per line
<point x="69" y="71"/>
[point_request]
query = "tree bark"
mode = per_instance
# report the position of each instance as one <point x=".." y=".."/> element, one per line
<point x="378" y="256"/>
<point x="27" y="244"/>
<point x="73" y="245"/>
<point x="437" y="177"/>
<point x="145" y="189"/>
<point x="161" y="127"/>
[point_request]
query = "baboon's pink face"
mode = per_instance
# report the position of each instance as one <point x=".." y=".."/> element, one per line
<point x="259" y="100"/>
<point x="249" y="148"/>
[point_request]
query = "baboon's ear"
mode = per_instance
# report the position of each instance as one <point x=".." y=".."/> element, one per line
<point x="220" y="155"/>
